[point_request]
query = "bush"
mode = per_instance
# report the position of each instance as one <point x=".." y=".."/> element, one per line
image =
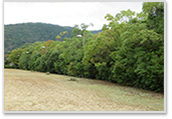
<point x="48" y="73"/>
<point x="8" y="66"/>
<point x="72" y="79"/>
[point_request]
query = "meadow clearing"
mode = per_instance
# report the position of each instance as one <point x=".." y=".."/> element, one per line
<point x="36" y="91"/>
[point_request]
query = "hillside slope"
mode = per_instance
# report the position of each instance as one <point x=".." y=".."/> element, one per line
<point x="16" y="35"/>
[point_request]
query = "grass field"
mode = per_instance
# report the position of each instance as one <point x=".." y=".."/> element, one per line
<point x="35" y="91"/>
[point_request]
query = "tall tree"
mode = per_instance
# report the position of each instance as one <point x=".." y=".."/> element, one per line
<point x="15" y="55"/>
<point x="155" y="12"/>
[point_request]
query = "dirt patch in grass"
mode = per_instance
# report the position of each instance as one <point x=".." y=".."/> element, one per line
<point x="35" y="91"/>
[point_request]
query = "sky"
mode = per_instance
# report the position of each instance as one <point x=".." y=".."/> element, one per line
<point x="65" y="13"/>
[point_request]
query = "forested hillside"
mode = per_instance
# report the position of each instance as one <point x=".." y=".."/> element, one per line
<point x="129" y="51"/>
<point x="17" y="35"/>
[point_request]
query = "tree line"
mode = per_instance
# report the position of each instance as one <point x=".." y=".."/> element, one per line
<point x="128" y="51"/>
<point x="16" y="35"/>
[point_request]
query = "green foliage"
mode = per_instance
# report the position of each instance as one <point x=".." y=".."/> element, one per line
<point x="48" y="73"/>
<point x="80" y="31"/>
<point x="15" y="55"/>
<point x="128" y="51"/>
<point x="72" y="79"/>
<point x="155" y="12"/>
<point x="8" y="66"/>
<point x="17" y="35"/>
<point x="6" y="59"/>
<point x="58" y="37"/>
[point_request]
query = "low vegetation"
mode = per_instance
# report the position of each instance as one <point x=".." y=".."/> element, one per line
<point x="35" y="91"/>
<point x="72" y="79"/>
<point x="129" y="51"/>
<point x="48" y="73"/>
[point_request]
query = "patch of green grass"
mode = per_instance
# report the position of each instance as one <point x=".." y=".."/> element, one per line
<point x="127" y="96"/>
<point x="72" y="79"/>
<point x="48" y="73"/>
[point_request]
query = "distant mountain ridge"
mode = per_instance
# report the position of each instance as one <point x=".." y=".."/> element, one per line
<point x="16" y="35"/>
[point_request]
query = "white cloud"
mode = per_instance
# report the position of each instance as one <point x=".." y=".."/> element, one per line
<point x="65" y="13"/>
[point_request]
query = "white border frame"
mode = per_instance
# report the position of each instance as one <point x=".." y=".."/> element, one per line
<point x="100" y="112"/>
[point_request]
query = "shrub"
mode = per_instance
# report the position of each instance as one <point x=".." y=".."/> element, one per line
<point x="48" y="73"/>
<point x="72" y="79"/>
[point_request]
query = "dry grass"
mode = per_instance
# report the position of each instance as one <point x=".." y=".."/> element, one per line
<point x="34" y="91"/>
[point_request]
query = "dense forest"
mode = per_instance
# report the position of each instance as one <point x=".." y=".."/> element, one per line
<point x="16" y="35"/>
<point x="129" y="51"/>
